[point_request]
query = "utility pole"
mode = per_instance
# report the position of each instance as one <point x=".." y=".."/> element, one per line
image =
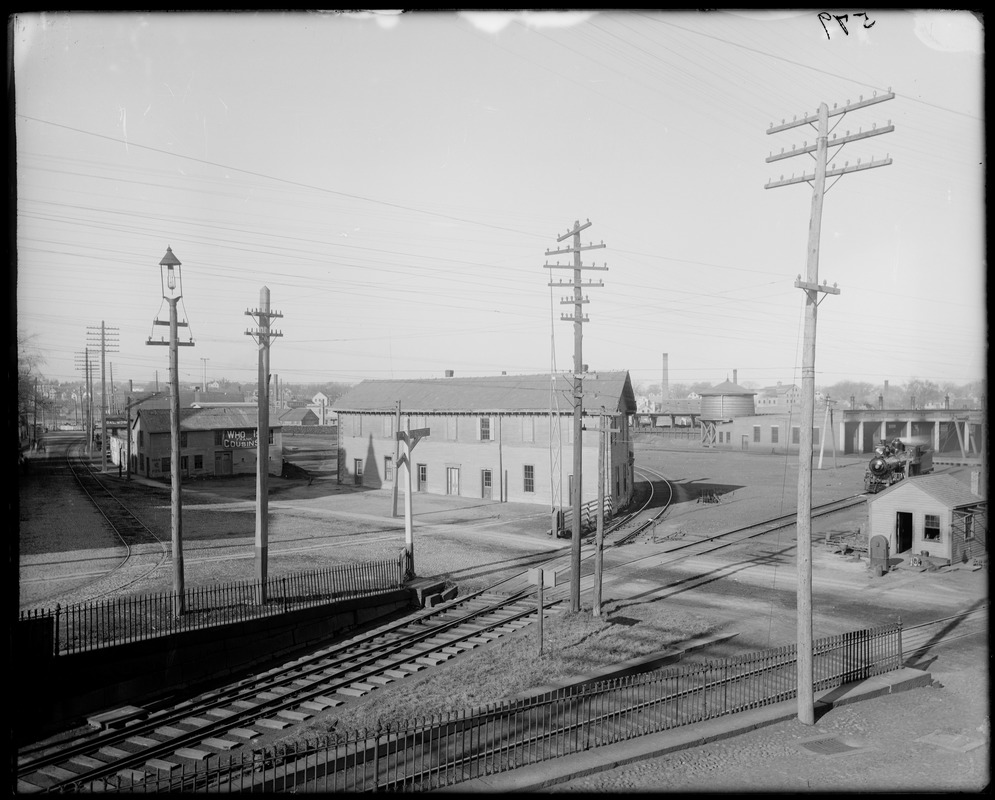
<point x="397" y="455"/>
<point x="811" y="287"/>
<point x="578" y="318"/>
<point x="105" y="332"/>
<point x="604" y="433"/>
<point x="262" y="336"/>
<point x="204" y="362"/>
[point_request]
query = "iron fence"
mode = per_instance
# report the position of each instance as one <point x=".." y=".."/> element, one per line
<point x="86" y="626"/>
<point x="451" y="748"/>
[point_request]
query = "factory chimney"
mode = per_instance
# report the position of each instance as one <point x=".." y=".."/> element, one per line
<point x="665" y="383"/>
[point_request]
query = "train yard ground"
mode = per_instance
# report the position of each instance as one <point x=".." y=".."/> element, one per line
<point x="743" y="597"/>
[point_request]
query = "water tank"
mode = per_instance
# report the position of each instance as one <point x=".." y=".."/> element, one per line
<point x="727" y="400"/>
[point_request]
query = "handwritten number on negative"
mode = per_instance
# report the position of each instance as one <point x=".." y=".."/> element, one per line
<point x="841" y="19"/>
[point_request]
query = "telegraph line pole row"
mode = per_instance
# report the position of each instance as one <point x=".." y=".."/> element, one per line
<point x="87" y="391"/>
<point x="262" y="335"/>
<point x="578" y="318"/>
<point x="812" y="289"/>
<point x="104" y="333"/>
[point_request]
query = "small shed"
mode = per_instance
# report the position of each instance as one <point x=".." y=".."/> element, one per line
<point x="298" y="417"/>
<point x="935" y="516"/>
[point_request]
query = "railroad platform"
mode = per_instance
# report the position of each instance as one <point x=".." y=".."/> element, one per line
<point x="546" y="774"/>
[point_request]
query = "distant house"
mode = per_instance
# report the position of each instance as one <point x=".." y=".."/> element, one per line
<point x="219" y="440"/>
<point x="936" y="516"/>
<point x="298" y="417"/>
<point x="490" y="437"/>
<point x="321" y="407"/>
<point x="773" y="399"/>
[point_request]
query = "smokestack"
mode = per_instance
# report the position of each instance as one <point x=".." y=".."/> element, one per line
<point x="735" y="376"/>
<point x="885" y="395"/>
<point x="665" y="383"/>
<point x="881" y="402"/>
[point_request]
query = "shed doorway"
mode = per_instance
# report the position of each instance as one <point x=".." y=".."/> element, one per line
<point x="903" y="531"/>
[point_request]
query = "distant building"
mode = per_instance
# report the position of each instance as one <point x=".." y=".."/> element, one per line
<point x="778" y="398"/>
<point x="298" y="417"/>
<point x="218" y="440"/>
<point x="491" y="437"/>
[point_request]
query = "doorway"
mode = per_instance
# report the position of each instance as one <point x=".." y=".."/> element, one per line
<point x="485" y="484"/>
<point x="452" y="480"/>
<point x="903" y="531"/>
<point x="223" y="463"/>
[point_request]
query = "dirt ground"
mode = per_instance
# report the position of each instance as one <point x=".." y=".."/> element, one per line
<point x="475" y="544"/>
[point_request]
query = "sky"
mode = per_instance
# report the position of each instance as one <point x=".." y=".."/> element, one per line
<point x="396" y="180"/>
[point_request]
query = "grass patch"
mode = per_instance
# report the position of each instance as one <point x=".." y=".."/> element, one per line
<point x="574" y="645"/>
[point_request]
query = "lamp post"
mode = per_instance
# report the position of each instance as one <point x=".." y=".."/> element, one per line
<point x="172" y="291"/>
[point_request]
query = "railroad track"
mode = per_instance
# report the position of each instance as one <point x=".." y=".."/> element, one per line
<point x="128" y="528"/>
<point x="159" y="739"/>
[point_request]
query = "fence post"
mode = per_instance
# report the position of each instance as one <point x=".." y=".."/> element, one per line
<point x="55" y="644"/>
<point x="901" y="655"/>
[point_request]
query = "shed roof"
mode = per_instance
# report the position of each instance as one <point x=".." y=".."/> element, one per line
<point x="156" y="420"/>
<point x="950" y="491"/>
<point x="297" y="414"/>
<point x="497" y="393"/>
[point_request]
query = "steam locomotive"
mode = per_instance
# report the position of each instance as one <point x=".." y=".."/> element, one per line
<point x="895" y="460"/>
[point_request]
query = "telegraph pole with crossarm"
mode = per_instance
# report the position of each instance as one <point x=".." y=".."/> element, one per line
<point x="578" y="318"/>
<point x="262" y="335"/>
<point x="812" y="288"/>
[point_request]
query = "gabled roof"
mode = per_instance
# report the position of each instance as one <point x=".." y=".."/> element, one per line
<point x="950" y="491"/>
<point x="156" y="420"/>
<point x="498" y="393"/>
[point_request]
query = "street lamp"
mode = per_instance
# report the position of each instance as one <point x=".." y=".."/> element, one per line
<point x="172" y="291"/>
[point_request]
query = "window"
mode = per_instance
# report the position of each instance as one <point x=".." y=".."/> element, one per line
<point x="184" y="464"/>
<point x="528" y="429"/>
<point x="218" y="437"/>
<point x="165" y="465"/>
<point x="270" y="436"/>
<point x="796" y="434"/>
<point x="183" y="438"/>
<point x="451" y="429"/>
<point x="357" y="471"/>
<point x="357" y="424"/>
<point x="388" y="427"/>
<point x="388" y="468"/>
<point x="968" y="527"/>
<point x="756" y="433"/>
<point x="485" y="429"/>
<point x="773" y="434"/>
<point x="529" y="484"/>
<point x="198" y="462"/>
<point x="931" y="528"/>
<point x="141" y="438"/>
